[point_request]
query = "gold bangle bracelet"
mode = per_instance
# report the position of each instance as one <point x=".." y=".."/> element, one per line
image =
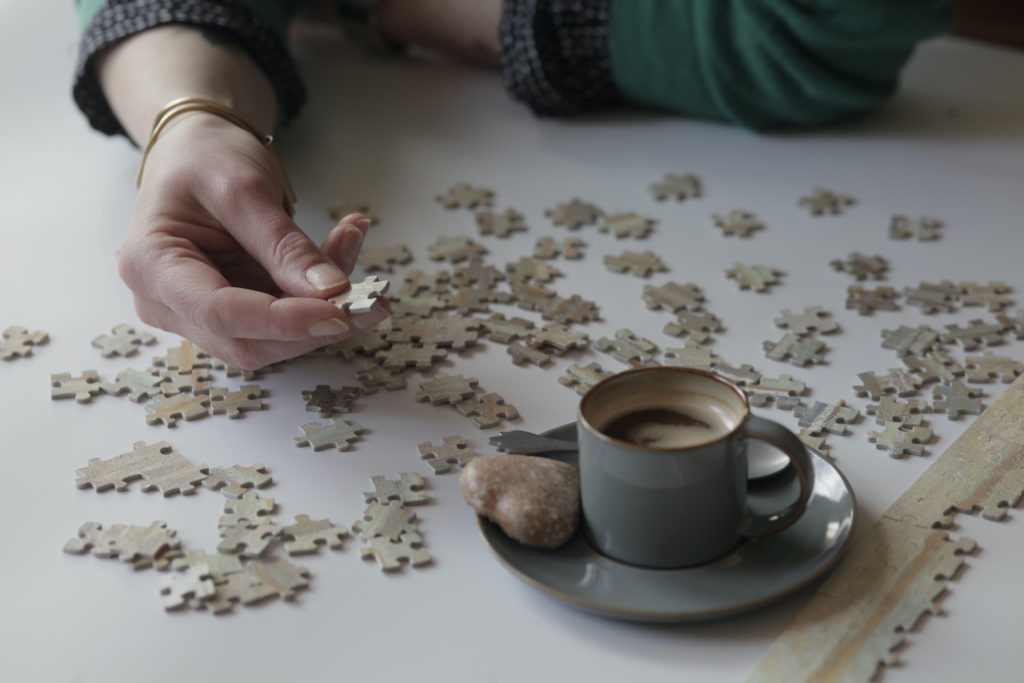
<point x="186" y="105"/>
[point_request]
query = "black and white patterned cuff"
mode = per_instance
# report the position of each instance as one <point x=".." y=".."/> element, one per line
<point x="120" y="19"/>
<point x="555" y="55"/>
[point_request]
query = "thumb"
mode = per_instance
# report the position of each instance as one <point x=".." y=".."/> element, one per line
<point x="296" y="264"/>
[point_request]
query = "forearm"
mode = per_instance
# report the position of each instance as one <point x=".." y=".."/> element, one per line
<point x="144" y="72"/>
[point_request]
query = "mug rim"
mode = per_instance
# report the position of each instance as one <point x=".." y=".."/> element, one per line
<point x="594" y="431"/>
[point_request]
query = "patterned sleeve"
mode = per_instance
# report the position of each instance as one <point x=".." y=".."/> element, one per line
<point x="555" y="54"/>
<point x="119" y="19"/>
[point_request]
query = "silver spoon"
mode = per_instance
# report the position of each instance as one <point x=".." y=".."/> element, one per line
<point x="760" y="464"/>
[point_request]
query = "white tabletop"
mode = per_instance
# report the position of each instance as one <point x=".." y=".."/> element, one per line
<point x="394" y="133"/>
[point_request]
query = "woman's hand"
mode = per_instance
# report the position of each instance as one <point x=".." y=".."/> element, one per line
<point x="213" y="256"/>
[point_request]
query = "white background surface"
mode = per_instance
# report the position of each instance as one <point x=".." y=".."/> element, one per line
<point x="394" y="134"/>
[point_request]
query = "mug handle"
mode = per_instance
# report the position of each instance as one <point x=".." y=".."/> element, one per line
<point x="775" y="434"/>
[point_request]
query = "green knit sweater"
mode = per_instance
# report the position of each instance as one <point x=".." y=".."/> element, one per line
<point x="757" y="63"/>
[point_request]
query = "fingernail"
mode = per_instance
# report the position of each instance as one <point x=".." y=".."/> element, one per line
<point x="325" y="276"/>
<point x="352" y="237"/>
<point x="369" y="319"/>
<point x="364" y="223"/>
<point x="328" y="327"/>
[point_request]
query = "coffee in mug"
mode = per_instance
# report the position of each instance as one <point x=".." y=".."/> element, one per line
<point x="663" y="467"/>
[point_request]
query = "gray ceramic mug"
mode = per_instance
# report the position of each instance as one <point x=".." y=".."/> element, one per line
<point x="663" y="467"/>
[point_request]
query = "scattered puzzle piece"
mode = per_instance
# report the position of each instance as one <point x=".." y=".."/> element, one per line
<point x="361" y="297"/>
<point x="639" y="264"/>
<point x="408" y="489"/>
<point x="910" y="340"/>
<point x="389" y="521"/>
<point x="326" y="401"/>
<point x="830" y="417"/>
<point x="813" y="319"/>
<point x="391" y="555"/>
<point x="250" y="509"/>
<point x="737" y="222"/>
<point x="932" y="298"/>
<point x="815" y="443"/>
<point x="372" y="377"/>
<point x="180" y="590"/>
<point x="784" y="391"/>
<point x="423" y="305"/>
<point x="139" y="385"/>
<point x="574" y="214"/>
<point x="218" y="565"/>
<point x="18" y="342"/>
<point x="307" y="535"/>
<point x="384" y="257"/>
<point x="138" y="545"/>
<point x="923" y="229"/>
<point x="822" y="201"/>
<point x="629" y="224"/>
<point x="183" y="358"/>
<point x="123" y="340"/>
<point x="582" y="377"/>
<point x="488" y="411"/>
<point x="447" y="389"/>
<point x="549" y="248"/>
<point x="900" y="440"/>
<point x="81" y="388"/>
<point x="234" y="481"/>
<point x="455" y="249"/>
<point x="692" y="356"/>
<point x="894" y="381"/>
<point x="742" y="376"/>
<point x="758" y="278"/>
<point x="335" y="432"/>
<point x="866" y="301"/>
<point x="935" y="367"/>
<point x="527" y="269"/>
<point x="976" y="334"/>
<point x="572" y="310"/>
<point x="418" y="282"/>
<point x="158" y="465"/>
<point x="504" y="330"/>
<point x="365" y="342"/>
<point x="403" y="355"/>
<point x="696" y="326"/>
<point x="627" y="347"/>
<point x="248" y="541"/>
<point x="500" y="224"/>
<point x="196" y="382"/>
<point x="478" y="273"/>
<point x="862" y="267"/>
<point x="955" y="399"/>
<point x="528" y="355"/>
<point x="558" y="338"/>
<point x="797" y="350"/>
<point x="674" y="296"/>
<point x="453" y="450"/>
<point x="234" y="403"/>
<point x="169" y="409"/>
<point x="994" y="295"/>
<point x="891" y="409"/>
<point x="988" y="366"/>
<point x="677" y="186"/>
<point x="465" y="196"/>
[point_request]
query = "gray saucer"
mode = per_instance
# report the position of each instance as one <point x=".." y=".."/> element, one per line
<point x="754" y="574"/>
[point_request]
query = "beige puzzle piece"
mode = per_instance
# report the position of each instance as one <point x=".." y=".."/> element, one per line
<point x="123" y="340"/>
<point x="18" y="342"/>
<point x="158" y="465"/>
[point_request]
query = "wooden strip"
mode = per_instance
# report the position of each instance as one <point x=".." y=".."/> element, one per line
<point x="897" y="572"/>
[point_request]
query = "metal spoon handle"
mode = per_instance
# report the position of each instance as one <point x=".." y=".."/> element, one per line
<point x="527" y="443"/>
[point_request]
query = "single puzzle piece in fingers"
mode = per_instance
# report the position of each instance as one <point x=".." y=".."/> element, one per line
<point x="391" y="555"/>
<point x="336" y="433"/>
<point x="307" y="535"/>
<point x="81" y="388"/>
<point x="158" y="465"/>
<point x="361" y="297"/>
<point x="408" y="489"/>
<point x="123" y="340"/>
<point x="465" y="196"/>
<point x="18" y="342"/>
